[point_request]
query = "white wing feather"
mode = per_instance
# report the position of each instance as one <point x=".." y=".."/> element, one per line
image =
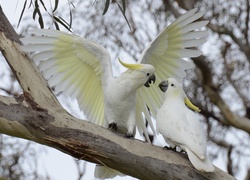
<point x="204" y="165"/>
<point x="166" y="54"/>
<point x="74" y="66"/>
<point x="104" y="172"/>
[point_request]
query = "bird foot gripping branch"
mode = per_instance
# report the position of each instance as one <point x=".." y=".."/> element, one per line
<point x="113" y="126"/>
<point x="129" y="135"/>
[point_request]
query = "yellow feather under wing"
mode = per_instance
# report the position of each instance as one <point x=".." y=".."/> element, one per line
<point x="84" y="79"/>
<point x="71" y="68"/>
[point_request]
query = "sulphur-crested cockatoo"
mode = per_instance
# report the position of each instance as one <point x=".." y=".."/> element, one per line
<point x="181" y="127"/>
<point x="81" y="68"/>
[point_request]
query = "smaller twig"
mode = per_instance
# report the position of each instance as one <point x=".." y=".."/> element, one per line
<point x="229" y="73"/>
<point x="247" y="23"/>
<point x="230" y="161"/>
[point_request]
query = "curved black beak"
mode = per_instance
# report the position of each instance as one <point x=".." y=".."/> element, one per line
<point x="163" y="86"/>
<point x="150" y="80"/>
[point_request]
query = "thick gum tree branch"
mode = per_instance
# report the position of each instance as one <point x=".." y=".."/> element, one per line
<point x="24" y="69"/>
<point x="87" y="141"/>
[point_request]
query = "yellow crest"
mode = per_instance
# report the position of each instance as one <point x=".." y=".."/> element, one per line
<point x="131" y="66"/>
<point x="190" y="104"/>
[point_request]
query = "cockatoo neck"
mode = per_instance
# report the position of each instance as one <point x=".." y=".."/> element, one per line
<point x="129" y="80"/>
<point x="175" y="94"/>
<point x="121" y="87"/>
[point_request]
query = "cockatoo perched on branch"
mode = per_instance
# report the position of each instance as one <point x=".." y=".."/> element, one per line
<point x="81" y="69"/>
<point x="181" y="127"/>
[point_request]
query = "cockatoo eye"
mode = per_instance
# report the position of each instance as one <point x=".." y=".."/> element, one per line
<point x="172" y="85"/>
<point x="148" y="74"/>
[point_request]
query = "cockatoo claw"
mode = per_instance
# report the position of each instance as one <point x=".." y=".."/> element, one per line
<point x="128" y="135"/>
<point x="113" y="126"/>
<point x="184" y="152"/>
<point x="170" y="148"/>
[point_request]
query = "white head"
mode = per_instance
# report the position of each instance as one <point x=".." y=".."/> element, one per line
<point x="172" y="87"/>
<point x="141" y="74"/>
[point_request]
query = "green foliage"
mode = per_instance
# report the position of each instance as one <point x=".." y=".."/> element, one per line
<point x="123" y="9"/>
<point x="107" y="3"/>
<point x="121" y="6"/>
<point x="38" y="6"/>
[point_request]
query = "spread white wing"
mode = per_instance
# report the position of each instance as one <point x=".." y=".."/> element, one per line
<point x="74" y="66"/>
<point x="166" y="54"/>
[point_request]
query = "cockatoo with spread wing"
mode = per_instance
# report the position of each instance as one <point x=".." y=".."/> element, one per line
<point x="81" y="69"/>
<point x="181" y="127"/>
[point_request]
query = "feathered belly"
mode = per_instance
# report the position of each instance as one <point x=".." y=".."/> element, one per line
<point x="168" y="122"/>
<point x="121" y="110"/>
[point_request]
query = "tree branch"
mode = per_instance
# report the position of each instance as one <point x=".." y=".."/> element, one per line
<point x="18" y="62"/>
<point x="223" y="30"/>
<point x="246" y="30"/>
<point x="84" y="140"/>
<point x="228" y="72"/>
<point x="233" y="119"/>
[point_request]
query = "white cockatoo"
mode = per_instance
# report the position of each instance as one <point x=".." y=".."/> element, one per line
<point x="81" y="69"/>
<point x="181" y="127"/>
